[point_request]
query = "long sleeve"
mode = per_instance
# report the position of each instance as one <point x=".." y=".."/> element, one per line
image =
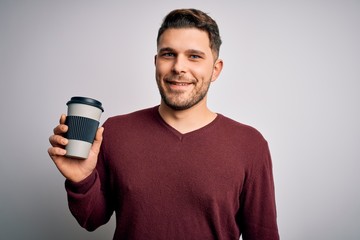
<point x="88" y="201"/>
<point x="258" y="211"/>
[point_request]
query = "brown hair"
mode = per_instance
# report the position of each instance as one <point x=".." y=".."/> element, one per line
<point x="193" y="18"/>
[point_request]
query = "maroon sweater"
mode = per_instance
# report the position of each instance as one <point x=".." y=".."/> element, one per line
<point x="213" y="183"/>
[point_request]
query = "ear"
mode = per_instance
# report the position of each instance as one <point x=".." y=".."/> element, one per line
<point x="218" y="65"/>
<point x="155" y="58"/>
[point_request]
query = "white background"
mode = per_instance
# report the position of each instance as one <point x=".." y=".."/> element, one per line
<point x="291" y="71"/>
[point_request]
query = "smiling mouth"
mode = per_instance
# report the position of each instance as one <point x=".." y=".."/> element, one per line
<point x="178" y="83"/>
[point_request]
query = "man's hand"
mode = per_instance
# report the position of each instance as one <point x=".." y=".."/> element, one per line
<point x="73" y="169"/>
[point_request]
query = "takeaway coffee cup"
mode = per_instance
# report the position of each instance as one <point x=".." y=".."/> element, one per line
<point x="83" y="121"/>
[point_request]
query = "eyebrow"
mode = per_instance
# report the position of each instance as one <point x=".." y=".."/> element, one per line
<point x="194" y="51"/>
<point x="166" y="49"/>
<point x="189" y="51"/>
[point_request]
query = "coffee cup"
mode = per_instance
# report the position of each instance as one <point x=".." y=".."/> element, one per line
<point x="83" y="118"/>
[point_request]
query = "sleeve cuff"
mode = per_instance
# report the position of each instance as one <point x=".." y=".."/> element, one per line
<point x="83" y="186"/>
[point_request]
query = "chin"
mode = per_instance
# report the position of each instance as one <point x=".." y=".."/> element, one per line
<point x="181" y="106"/>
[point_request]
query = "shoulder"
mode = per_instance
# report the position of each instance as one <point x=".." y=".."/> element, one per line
<point x="132" y="118"/>
<point x="130" y="124"/>
<point x="239" y="130"/>
<point x="249" y="143"/>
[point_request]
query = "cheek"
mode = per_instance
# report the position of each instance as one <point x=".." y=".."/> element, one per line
<point x="158" y="72"/>
<point x="161" y="69"/>
<point x="203" y="72"/>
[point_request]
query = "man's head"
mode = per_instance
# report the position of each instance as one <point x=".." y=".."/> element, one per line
<point x="193" y="18"/>
<point x="187" y="58"/>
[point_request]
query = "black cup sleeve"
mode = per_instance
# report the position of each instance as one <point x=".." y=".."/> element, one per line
<point x="81" y="128"/>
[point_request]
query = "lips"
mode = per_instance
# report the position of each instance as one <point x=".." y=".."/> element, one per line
<point x="178" y="86"/>
<point x="179" y="80"/>
<point x="178" y="83"/>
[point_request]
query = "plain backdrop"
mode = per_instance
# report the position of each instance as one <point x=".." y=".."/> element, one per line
<point x="291" y="70"/>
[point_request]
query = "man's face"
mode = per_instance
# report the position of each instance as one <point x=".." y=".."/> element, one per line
<point x="185" y="67"/>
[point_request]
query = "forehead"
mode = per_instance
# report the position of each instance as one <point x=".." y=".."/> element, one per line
<point x="184" y="39"/>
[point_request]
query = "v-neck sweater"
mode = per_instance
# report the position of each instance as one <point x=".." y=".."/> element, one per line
<point x="212" y="183"/>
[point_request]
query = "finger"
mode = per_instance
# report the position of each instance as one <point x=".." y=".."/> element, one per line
<point x="57" y="140"/>
<point x="98" y="140"/>
<point x="60" y="129"/>
<point x="62" y="119"/>
<point x="55" y="151"/>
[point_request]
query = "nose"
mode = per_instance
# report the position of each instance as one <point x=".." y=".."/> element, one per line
<point x="179" y="65"/>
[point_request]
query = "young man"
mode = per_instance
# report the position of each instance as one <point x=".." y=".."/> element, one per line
<point x="177" y="170"/>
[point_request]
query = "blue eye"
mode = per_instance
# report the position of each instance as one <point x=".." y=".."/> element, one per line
<point x="195" y="56"/>
<point x="168" y="54"/>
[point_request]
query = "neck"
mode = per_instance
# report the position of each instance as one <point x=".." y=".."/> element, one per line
<point x="187" y="120"/>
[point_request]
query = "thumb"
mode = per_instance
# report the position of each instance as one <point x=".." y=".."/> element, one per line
<point x="98" y="140"/>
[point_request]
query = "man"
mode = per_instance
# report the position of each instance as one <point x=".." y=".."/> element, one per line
<point x="177" y="170"/>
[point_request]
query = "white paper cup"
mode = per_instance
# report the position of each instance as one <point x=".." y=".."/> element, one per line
<point x="83" y="120"/>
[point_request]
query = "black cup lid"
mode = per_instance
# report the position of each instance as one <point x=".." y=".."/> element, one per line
<point x="86" y="100"/>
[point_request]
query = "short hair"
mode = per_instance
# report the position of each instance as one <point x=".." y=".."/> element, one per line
<point x="193" y="18"/>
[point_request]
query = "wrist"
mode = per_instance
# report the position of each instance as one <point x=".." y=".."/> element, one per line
<point x="79" y="178"/>
<point x="81" y="186"/>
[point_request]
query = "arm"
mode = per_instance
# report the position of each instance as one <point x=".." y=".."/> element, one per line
<point x="86" y="197"/>
<point x="258" y="211"/>
<point x="90" y="200"/>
